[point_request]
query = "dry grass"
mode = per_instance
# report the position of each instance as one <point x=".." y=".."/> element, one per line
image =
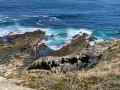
<point x="103" y="69"/>
<point x="105" y="75"/>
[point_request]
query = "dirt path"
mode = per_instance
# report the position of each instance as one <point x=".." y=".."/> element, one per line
<point x="10" y="85"/>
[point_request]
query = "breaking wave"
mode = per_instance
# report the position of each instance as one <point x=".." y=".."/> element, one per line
<point x="61" y="36"/>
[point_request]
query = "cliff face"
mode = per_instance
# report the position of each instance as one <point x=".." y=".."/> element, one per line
<point x="85" y="59"/>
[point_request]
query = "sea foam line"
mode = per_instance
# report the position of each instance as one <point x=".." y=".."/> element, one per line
<point x="17" y="29"/>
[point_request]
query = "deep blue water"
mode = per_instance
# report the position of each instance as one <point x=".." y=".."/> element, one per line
<point x="63" y="18"/>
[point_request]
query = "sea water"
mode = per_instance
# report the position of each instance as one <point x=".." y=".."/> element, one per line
<point x="61" y="18"/>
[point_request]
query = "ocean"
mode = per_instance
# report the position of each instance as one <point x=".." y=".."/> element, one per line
<point x="61" y="18"/>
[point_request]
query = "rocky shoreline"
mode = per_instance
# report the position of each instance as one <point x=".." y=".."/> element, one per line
<point x="24" y="58"/>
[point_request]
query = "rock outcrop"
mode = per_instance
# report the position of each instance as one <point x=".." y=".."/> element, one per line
<point x="76" y="61"/>
<point x="49" y="63"/>
<point x="92" y="38"/>
<point x="75" y="36"/>
<point x="42" y="46"/>
<point x="28" y="40"/>
<point x="76" y="45"/>
<point x="22" y="47"/>
<point x="13" y="39"/>
<point x="69" y="63"/>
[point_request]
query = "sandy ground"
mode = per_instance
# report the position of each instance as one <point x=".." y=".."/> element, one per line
<point x="10" y="85"/>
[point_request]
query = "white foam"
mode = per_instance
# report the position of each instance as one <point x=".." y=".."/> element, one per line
<point x="41" y="20"/>
<point x="15" y="19"/>
<point x="71" y="32"/>
<point x="45" y="16"/>
<point x="30" y="15"/>
<point x="2" y="21"/>
<point x="17" y="29"/>
<point x="54" y="47"/>
<point x="48" y="31"/>
<point x="54" y="19"/>
<point x="3" y="33"/>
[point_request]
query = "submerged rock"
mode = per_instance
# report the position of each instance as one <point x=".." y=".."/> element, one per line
<point x="46" y="39"/>
<point x="52" y="35"/>
<point x="92" y="38"/>
<point x="75" y="36"/>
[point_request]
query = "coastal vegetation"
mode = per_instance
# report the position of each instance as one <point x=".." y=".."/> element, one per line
<point x="77" y="66"/>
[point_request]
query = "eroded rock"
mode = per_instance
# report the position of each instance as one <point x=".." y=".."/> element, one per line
<point x="73" y="62"/>
<point x="60" y="64"/>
